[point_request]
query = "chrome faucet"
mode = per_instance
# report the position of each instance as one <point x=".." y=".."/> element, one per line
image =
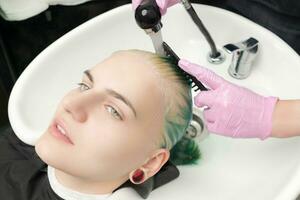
<point x="243" y="54"/>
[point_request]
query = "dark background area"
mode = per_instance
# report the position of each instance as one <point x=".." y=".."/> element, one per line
<point x="22" y="41"/>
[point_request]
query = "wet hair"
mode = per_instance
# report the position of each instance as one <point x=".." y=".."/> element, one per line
<point x="178" y="112"/>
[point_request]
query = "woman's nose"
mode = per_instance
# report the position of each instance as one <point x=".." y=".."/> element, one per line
<point x="77" y="105"/>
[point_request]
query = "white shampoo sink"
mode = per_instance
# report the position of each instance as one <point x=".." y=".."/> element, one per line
<point x="230" y="169"/>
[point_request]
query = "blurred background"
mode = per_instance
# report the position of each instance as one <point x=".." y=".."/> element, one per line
<point x="23" y="39"/>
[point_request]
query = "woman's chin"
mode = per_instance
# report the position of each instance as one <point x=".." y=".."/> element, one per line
<point x="49" y="150"/>
<point x="42" y="149"/>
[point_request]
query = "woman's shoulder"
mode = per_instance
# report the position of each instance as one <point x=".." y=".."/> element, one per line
<point x="12" y="147"/>
<point x="20" y="166"/>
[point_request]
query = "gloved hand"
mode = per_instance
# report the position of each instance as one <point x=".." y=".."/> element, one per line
<point x="162" y="4"/>
<point x="232" y="110"/>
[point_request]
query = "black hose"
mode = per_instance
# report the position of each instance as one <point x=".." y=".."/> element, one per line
<point x="200" y="25"/>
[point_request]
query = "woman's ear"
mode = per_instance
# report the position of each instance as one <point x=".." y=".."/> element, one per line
<point x="155" y="162"/>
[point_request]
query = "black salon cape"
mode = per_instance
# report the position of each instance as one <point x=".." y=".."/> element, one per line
<point x="23" y="175"/>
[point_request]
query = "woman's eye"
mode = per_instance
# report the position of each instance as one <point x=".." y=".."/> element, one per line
<point x="82" y="86"/>
<point x="114" y="112"/>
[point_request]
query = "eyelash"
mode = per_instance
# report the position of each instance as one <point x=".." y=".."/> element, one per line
<point x="116" y="115"/>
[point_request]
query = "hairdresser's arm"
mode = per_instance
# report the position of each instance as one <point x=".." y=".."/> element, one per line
<point x="238" y="112"/>
<point x="286" y="119"/>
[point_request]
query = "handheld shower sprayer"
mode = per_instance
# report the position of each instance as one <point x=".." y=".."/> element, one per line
<point x="148" y="17"/>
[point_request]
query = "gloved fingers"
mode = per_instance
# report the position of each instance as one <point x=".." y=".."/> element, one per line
<point x="204" y="98"/>
<point x="135" y="3"/>
<point x="165" y="4"/>
<point x="208" y="77"/>
<point x="162" y="4"/>
<point x="209" y="115"/>
<point x="210" y="126"/>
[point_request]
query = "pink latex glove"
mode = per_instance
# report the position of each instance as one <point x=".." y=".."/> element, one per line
<point x="162" y="4"/>
<point x="233" y="111"/>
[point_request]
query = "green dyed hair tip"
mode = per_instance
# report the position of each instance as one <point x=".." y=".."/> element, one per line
<point x="185" y="152"/>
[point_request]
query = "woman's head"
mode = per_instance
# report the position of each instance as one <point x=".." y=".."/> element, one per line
<point x="128" y="114"/>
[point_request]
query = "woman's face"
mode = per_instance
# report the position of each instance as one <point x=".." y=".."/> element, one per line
<point x="111" y="136"/>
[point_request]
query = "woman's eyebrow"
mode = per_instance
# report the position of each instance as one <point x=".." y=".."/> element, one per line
<point x="112" y="93"/>
<point x="89" y="75"/>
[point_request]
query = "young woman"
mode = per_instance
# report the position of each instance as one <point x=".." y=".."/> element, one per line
<point x="117" y="127"/>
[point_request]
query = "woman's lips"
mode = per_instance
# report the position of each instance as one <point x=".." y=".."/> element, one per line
<point x="56" y="131"/>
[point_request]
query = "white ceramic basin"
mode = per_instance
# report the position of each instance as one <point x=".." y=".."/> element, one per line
<point x="231" y="169"/>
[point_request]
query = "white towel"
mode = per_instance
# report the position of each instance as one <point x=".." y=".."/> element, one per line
<point x="124" y="193"/>
<point x="16" y="10"/>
